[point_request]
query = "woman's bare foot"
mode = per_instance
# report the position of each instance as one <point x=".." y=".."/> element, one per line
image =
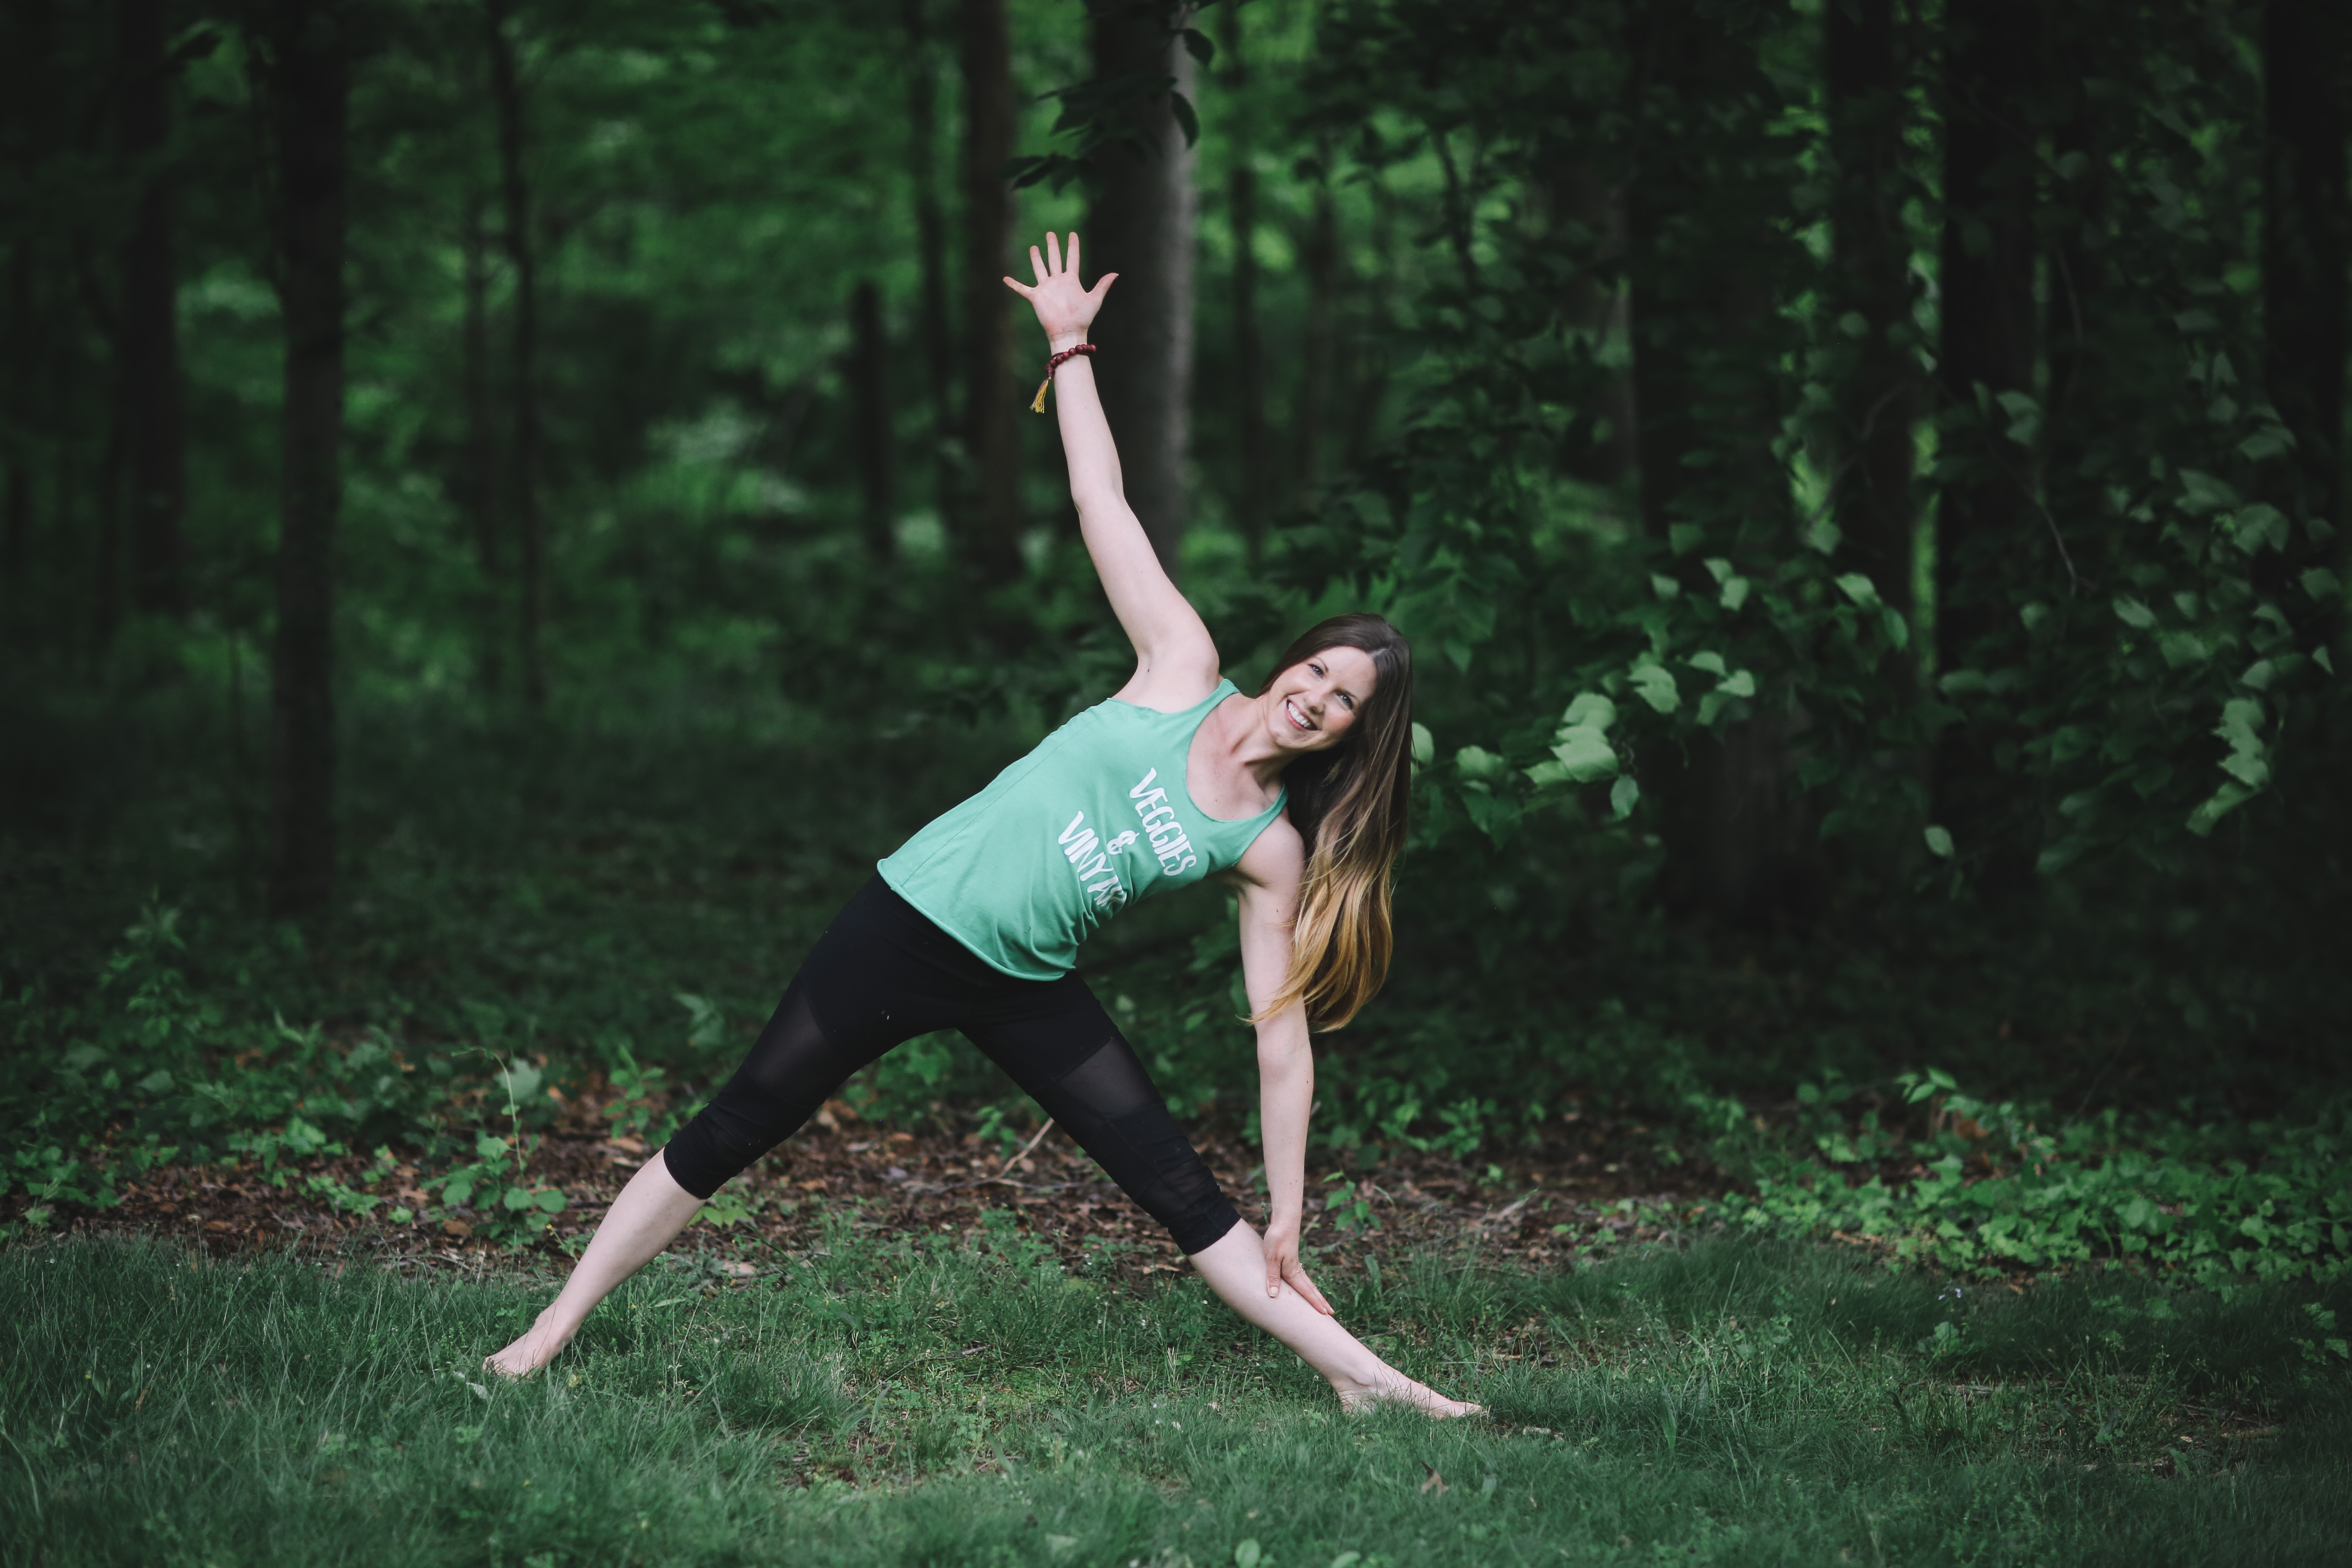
<point x="538" y="1346"/>
<point x="1406" y="1391"/>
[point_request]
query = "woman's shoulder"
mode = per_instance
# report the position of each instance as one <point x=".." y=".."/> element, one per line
<point x="1277" y="858"/>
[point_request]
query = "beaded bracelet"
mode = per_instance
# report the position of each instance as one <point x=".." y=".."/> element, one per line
<point x="1038" y="405"/>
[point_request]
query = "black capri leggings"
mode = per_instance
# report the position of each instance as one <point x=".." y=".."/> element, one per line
<point x="882" y="973"/>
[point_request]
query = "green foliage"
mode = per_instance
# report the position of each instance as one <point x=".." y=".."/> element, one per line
<point x="1985" y="1191"/>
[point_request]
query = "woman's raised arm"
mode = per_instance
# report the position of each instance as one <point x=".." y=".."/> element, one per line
<point x="1175" y="662"/>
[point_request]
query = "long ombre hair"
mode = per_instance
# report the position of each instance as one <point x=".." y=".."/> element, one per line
<point x="1349" y="805"/>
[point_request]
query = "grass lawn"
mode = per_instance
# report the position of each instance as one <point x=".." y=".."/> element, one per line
<point x="965" y="1400"/>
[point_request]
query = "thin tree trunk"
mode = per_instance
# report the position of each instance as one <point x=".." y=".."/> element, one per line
<point x="149" y="338"/>
<point x="478" y="477"/>
<point x="932" y="257"/>
<point x="16" y="510"/>
<point x="1986" y="528"/>
<point x="2307" y="253"/>
<point x="1145" y="213"/>
<point x="310" y="89"/>
<point x="992" y="441"/>
<point x="1703" y="377"/>
<point x="868" y="358"/>
<point x="1320" y="258"/>
<point x="1871" y="461"/>
<point x="1249" y="355"/>
<point x="107" y="605"/>
<point x="531" y="527"/>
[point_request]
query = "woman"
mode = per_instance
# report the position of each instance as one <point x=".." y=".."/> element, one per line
<point x="1297" y="796"/>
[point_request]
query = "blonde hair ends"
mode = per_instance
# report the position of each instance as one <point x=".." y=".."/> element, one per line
<point x="1349" y="806"/>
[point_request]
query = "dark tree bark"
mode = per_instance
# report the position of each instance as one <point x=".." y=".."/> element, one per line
<point x="1706" y="343"/>
<point x="1142" y="226"/>
<point x="1870" y="283"/>
<point x="478" y="475"/>
<point x="309" y="90"/>
<point x="1990" y="536"/>
<point x="931" y="258"/>
<point x="2306" y="256"/>
<point x="150" y="339"/>
<point x="529" y="522"/>
<point x="1319" y="257"/>
<point x="868" y="357"/>
<point x="992" y="442"/>
<point x="24" y="360"/>
<point x="1249" y="354"/>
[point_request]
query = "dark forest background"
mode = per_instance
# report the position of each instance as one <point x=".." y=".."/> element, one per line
<point x="507" y="508"/>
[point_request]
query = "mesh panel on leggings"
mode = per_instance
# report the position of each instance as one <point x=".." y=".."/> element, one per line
<point x="794" y="1068"/>
<point x="1110" y="1106"/>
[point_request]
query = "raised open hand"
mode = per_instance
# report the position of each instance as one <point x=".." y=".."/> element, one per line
<point x="1064" y="309"/>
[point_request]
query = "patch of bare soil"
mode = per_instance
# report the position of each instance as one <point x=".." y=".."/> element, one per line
<point x="1593" y="1186"/>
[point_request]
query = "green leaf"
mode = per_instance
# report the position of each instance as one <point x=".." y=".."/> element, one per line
<point x="1734" y="595"/>
<point x="1590" y="707"/>
<point x="516" y="1198"/>
<point x="489" y="1146"/>
<point x="2132" y="612"/>
<point x="1198" y="45"/>
<point x="2321" y="584"/>
<point x="1623" y="797"/>
<point x="1939" y="841"/>
<point x="1584" y="753"/>
<point x="1654" y="685"/>
<point x="551" y="1201"/>
<point x="2202" y="493"/>
<point x="1663" y="586"/>
<point x="1187" y="120"/>
<point x="1860" y="589"/>
<point x="1477" y="763"/>
<point x="2257" y="525"/>
<point x="1425" y="746"/>
<point x="2229" y="795"/>
<point x="156" y="1082"/>
<point x="1718" y="568"/>
<point x="2267" y="443"/>
<point x="1738" y="683"/>
<point x="1683" y="538"/>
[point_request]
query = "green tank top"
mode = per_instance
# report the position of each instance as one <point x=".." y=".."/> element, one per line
<point x="1093" y="819"/>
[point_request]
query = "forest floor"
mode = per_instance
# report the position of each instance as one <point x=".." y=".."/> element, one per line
<point x="1598" y="1187"/>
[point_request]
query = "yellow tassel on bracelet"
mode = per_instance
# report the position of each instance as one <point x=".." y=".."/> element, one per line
<point x="1037" y="404"/>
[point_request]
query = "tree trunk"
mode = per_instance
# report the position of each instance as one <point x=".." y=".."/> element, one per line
<point x="1870" y="284"/>
<point x="150" y="336"/>
<point x="310" y="86"/>
<point x="1705" y="348"/>
<point x="1249" y="356"/>
<point x="24" y="361"/>
<point x="477" y="476"/>
<point x="992" y="440"/>
<point x="868" y="357"/>
<point x="1319" y="256"/>
<point x="1989" y="534"/>
<point x="1144" y="211"/>
<point x="931" y="255"/>
<point x="2307" y="253"/>
<point x="531" y="527"/>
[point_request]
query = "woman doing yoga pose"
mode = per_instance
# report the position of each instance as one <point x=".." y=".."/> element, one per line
<point x="1296" y="796"/>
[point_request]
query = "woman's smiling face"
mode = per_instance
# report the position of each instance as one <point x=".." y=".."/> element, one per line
<point x="1312" y="705"/>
